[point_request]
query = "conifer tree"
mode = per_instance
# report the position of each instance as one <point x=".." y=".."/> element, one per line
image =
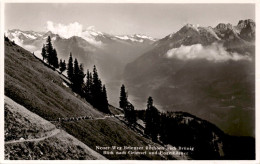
<point x="155" y="123"/>
<point x="81" y="74"/>
<point x="123" y="97"/>
<point x="70" y="68"/>
<point x="54" y="59"/>
<point x="148" y="120"/>
<point x="44" y="55"/>
<point x="75" y="69"/>
<point x="80" y="79"/>
<point x="62" y="65"/>
<point x="96" y="92"/>
<point x="49" y="51"/>
<point x="88" y="86"/>
<point x="130" y="114"/>
<point x="96" y="88"/>
<point x="104" y="100"/>
<point x="149" y="102"/>
<point x="152" y="120"/>
<point x="75" y="77"/>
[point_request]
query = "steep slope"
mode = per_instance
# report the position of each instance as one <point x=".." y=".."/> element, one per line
<point x="38" y="88"/>
<point x="41" y="90"/>
<point x="206" y="71"/>
<point x="28" y="136"/>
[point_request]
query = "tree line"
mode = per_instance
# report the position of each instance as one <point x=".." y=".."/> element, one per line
<point x="92" y="90"/>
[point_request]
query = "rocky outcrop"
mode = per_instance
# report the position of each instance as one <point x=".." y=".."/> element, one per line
<point x="247" y="29"/>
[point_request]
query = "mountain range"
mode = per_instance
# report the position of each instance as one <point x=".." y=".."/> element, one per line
<point x="91" y="47"/>
<point x="209" y="72"/>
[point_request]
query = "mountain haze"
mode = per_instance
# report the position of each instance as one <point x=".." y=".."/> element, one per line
<point x="110" y="53"/>
<point x="206" y="71"/>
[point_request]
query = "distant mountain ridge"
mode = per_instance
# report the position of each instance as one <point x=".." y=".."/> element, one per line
<point x="205" y="71"/>
<point x="88" y="35"/>
<point x="193" y="34"/>
<point x="93" y="44"/>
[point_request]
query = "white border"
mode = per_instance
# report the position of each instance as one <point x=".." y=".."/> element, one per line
<point x="257" y="82"/>
<point x="131" y="1"/>
<point x="2" y="82"/>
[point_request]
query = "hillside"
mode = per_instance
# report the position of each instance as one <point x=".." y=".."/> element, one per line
<point x="41" y="90"/>
<point x="28" y="136"/>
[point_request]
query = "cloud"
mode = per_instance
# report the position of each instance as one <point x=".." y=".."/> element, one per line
<point x="214" y="52"/>
<point x="66" y="31"/>
<point x="31" y="48"/>
<point x="73" y="29"/>
<point x="91" y="28"/>
<point x="19" y="42"/>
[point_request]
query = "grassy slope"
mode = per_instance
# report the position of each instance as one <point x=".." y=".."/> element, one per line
<point x="40" y="90"/>
<point x="108" y="132"/>
<point x="21" y="123"/>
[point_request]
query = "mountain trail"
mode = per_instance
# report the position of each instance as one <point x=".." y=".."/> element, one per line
<point x="47" y="131"/>
<point x="48" y="135"/>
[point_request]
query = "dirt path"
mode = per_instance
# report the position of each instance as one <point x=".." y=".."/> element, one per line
<point x="47" y="130"/>
<point x="48" y="135"/>
<point x="74" y="119"/>
<point x="50" y="128"/>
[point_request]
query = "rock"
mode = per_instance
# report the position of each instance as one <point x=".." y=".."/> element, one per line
<point x="21" y="139"/>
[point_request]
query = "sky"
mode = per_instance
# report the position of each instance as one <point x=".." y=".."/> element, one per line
<point x="156" y="20"/>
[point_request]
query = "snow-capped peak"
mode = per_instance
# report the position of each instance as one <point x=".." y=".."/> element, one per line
<point x="145" y="37"/>
<point x="91" y="35"/>
<point x="91" y="31"/>
<point x="23" y="34"/>
<point x="135" y="37"/>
